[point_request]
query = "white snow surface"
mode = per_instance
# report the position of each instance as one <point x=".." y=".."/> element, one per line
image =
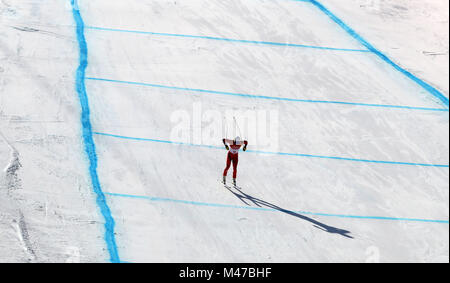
<point x="166" y="199"/>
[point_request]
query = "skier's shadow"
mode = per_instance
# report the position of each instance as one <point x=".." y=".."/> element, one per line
<point x="245" y="198"/>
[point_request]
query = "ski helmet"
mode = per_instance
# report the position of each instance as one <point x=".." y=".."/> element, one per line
<point x="237" y="140"/>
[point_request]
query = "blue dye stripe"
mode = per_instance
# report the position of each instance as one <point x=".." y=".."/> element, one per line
<point x="269" y="97"/>
<point x="88" y="137"/>
<point x="383" y="57"/>
<point x="228" y="39"/>
<point x="196" y="203"/>
<point x="277" y="153"/>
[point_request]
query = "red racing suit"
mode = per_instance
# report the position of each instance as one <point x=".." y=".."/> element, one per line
<point x="233" y="156"/>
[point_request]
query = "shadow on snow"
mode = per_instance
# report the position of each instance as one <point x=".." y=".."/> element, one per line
<point x="245" y="198"/>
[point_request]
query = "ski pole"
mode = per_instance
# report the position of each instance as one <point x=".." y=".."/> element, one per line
<point x="239" y="129"/>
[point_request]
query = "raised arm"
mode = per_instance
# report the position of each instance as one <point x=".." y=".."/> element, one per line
<point x="245" y="145"/>
<point x="225" y="141"/>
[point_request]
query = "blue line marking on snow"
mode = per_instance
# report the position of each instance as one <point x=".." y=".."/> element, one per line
<point x="88" y="137"/>
<point x="278" y="153"/>
<point x="227" y="39"/>
<point x="269" y="97"/>
<point x="356" y="36"/>
<point x="196" y="203"/>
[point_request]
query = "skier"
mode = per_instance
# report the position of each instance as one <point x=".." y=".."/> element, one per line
<point x="233" y="156"/>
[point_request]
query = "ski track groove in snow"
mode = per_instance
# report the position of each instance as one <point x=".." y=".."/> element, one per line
<point x="12" y="179"/>
<point x="24" y="237"/>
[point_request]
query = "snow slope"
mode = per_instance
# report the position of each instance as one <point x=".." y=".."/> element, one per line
<point x="421" y="32"/>
<point x="47" y="210"/>
<point x="357" y="169"/>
